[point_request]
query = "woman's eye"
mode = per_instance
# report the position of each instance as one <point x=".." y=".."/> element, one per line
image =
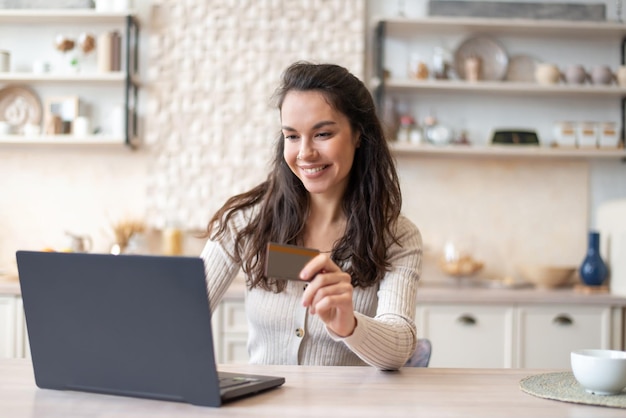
<point x="323" y="134"/>
<point x="291" y="137"/>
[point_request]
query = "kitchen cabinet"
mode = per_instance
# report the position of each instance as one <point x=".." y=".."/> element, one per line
<point x="13" y="340"/>
<point x="468" y="336"/>
<point x="481" y="107"/>
<point x="511" y="335"/>
<point x="547" y="334"/>
<point x="108" y="98"/>
<point x="230" y="331"/>
<point x="474" y="335"/>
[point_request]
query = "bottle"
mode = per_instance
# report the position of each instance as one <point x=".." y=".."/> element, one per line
<point x="390" y="119"/>
<point x="593" y="270"/>
<point x="441" y="64"/>
<point x="404" y="132"/>
<point x="416" y="135"/>
<point x="172" y="241"/>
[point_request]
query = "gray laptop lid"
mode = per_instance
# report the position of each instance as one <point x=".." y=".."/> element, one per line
<point x="126" y="325"/>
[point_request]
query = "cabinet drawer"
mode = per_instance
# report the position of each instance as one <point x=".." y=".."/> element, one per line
<point x="233" y="317"/>
<point x="235" y="349"/>
<point x="7" y="326"/>
<point x="547" y="334"/>
<point x="468" y="335"/>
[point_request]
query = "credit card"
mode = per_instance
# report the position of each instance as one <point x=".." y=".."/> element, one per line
<point x="286" y="261"/>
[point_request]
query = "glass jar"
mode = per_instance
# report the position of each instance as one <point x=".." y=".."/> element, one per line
<point x="441" y="63"/>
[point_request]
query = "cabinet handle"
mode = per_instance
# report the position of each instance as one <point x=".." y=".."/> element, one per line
<point x="563" y="320"/>
<point x="467" y="319"/>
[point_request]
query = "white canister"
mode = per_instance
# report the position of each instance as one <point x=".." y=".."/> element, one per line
<point x="565" y="133"/>
<point x="5" y="128"/>
<point x="81" y="126"/>
<point x="117" y="121"/>
<point x="104" y="46"/>
<point x="609" y="135"/>
<point x="5" y="61"/>
<point x="588" y="134"/>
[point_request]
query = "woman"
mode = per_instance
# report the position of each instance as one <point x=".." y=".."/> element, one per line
<point x="332" y="187"/>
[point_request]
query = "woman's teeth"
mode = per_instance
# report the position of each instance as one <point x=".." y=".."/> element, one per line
<point x="313" y="170"/>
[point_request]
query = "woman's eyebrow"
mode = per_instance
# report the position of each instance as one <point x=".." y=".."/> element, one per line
<point x="316" y="126"/>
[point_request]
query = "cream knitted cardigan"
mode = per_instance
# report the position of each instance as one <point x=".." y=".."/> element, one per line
<point x="281" y="331"/>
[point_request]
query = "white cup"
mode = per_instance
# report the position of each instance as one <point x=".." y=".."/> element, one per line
<point x="32" y="129"/>
<point x="5" y="128"/>
<point x="80" y="126"/>
<point x="104" y="5"/>
<point x="41" y="67"/>
<point x="121" y="5"/>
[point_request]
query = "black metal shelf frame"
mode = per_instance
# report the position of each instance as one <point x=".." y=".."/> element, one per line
<point x="131" y="86"/>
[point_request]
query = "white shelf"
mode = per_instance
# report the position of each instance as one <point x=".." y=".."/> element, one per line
<point x="504" y="87"/>
<point x="112" y="77"/>
<point x="404" y="26"/>
<point x="506" y="151"/>
<point x="86" y="16"/>
<point x="61" y="140"/>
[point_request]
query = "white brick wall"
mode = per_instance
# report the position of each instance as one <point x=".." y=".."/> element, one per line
<point x="213" y="68"/>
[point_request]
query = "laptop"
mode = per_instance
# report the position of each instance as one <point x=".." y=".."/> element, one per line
<point x="133" y="325"/>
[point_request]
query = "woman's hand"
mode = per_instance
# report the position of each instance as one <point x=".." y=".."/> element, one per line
<point x="329" y="294"/>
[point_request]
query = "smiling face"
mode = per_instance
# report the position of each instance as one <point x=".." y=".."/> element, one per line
<point x="319" y="142"/>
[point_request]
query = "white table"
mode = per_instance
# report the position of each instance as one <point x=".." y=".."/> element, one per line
<point x="313" y="392"/>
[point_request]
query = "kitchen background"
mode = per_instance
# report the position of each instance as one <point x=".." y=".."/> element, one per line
<point x="208" y="70"/>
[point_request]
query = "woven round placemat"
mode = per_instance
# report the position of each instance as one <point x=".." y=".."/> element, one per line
<point x="562" y="386"/>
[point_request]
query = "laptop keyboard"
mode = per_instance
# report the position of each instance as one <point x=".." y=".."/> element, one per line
<point x="229" y="382"/>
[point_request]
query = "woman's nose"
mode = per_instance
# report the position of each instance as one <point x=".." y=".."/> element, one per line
<point x="306" y="151"/>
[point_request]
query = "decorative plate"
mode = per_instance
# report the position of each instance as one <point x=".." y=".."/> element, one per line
<point x="493" y="57"/>
<point x="20" y="106"/>
<point x="521" y="68"/>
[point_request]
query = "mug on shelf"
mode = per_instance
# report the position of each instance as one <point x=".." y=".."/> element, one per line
<point x="575" y="74"/>
<point x="546" y="73"/>
<point x="602" y="75"/>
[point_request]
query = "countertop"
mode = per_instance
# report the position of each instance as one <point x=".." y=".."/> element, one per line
<point x="445" y="293"/>
<point x="314" y="391"/>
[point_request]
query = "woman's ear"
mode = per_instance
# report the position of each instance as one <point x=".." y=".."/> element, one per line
<point x="357" y="143"/>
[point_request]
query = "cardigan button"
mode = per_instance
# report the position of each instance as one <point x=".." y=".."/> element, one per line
<point x="299" y="333"/>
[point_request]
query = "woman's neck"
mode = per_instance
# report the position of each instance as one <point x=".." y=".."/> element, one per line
<point x="325" y="224"/>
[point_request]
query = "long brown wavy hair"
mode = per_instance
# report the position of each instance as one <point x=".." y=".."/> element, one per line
<point x="371" y="203"/>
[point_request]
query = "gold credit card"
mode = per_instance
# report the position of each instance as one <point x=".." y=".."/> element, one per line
<point x="286" y="261"/>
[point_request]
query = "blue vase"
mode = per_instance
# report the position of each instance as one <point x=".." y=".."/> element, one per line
<point x="593" y="270"/>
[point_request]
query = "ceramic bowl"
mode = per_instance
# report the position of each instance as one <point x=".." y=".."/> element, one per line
<point x="600" y="372"/>
<point x="546" y="276"/>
